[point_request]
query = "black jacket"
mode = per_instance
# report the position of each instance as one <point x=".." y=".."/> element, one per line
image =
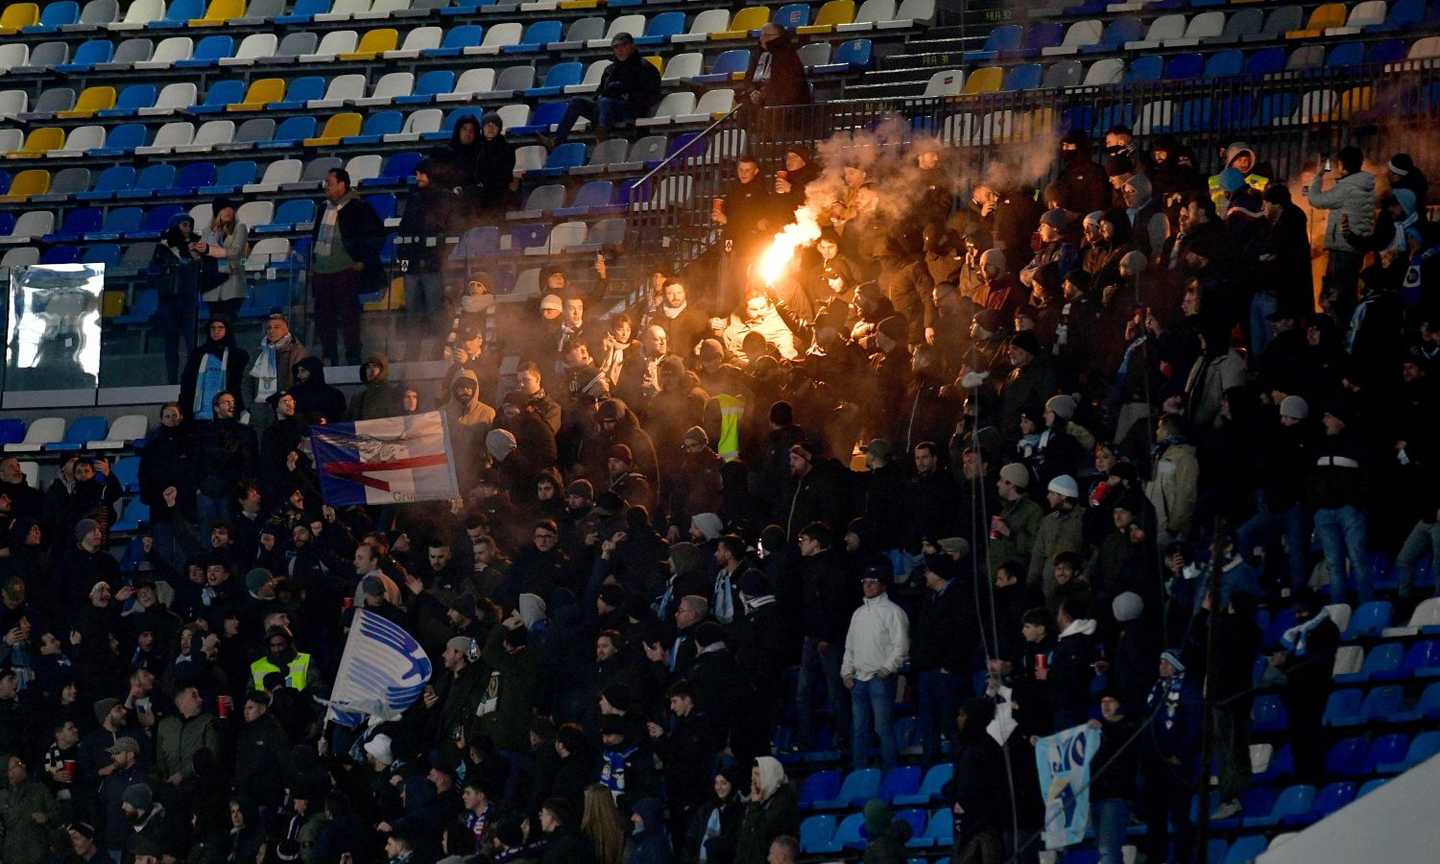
<point x="936" y="643"/>
<point x="315" y="397"/>
<point x="363" y="234"/>
<point x="225" y="454"/>
<point x="428" y="218"/>
<point x="236" y="362"/>
<point x="635" y="81"/>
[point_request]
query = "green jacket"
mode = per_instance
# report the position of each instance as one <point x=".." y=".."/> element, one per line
<point x="27" y="841"/>
<point x="1060" y="531"/>
<point x="178" y="740"/>
<point x="505" y="707"/>
<point x="1023" y="517"/>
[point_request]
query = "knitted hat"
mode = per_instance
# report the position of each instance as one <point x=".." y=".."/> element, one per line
<point x="459" y="643"/>
<point x="1127" y="606"/>
<point x="83" y="527"/>
<point x="256" y="579"/>
<point x="1294" y="407"/>
<point x="696" y="435"/>
<point x="956" y="546"/>
<point x="708" y="524"/>
<point x="499" y="443"/>
<point x="1172" y="656"/>
<point x="1026" y="341"/>
<point x="879" y="448"/>
<point x="103" y="707"/>
<point x="753" y="583"/>
<point x="1063" y="405"/>
<point x="379" y="747"/>
<point x="1017" y="474"/>
<point x="581" y="489"/>
<point x="138" y="795"/>
<point x="1064" y="485"/>
<point x="1056" y="218"/>
<point x="124" y="745"/>
<point x="551" y="303"/>
<point x="1094" y="218"/>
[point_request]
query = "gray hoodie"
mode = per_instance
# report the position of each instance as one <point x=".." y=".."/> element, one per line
<point x="1352" y="195"/>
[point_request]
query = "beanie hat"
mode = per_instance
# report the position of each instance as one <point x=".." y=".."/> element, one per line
<point x="696" y="435"/>
<point x="618" y="695"/>
<point x="83" y="527"/>
<point x="1064" y="485"/>
<point x="1095" y="217"/>
<point x="895" y="327"/>
<point x="1401" y="164"/>
<point x="708" y="524"/>
<point x="499" y="443"/>
<point x="1055" y="218"/>
<point x="1294" y="407"/>
<point x="956" y="546"/>
<point x="1172" y="656"/>
<point x="1017" y="474"/>
<point x="138" y="795"/>
<point x="379" y="747"/>
<point x="1063" y="405"/>
<point x="581" y="489"/>
<point x="103" y="708"/>
<point x="1026" y="341"/>
<point x="1127" y="606"/>
<point x="256" y="579"/>
<point x="551" y="303"/>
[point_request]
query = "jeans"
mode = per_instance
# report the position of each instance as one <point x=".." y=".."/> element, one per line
<point x="175" y="318"/>
<point x="605" y="112"/>
<point x="1261" y="305"/>
<point x="1424" y="539"/>
<point x="939" y="694"/>
<point x="1343" y="533"/>
<point x="210" y="511"/>
<point x="813" y="664"/>
<point x="1267" y="526"/>
<point x="874" y="697"/>
<point x="337" y="300"/>
<point x="1165" y="804"/>
<point x="1111" y="817"/>
<point x="424" y="303"/>
<point x="1342" y="276"/>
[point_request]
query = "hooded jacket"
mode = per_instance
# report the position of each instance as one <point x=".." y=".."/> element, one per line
<point x="378" y="397"/>
<point x="456" y="161"/>
<point x="494" y="163"/>
<point x="778" y="74"/>
<point x="978" y="763"/>
<point x="650" y="843"/>
<point x="235" y="360"/>
<point x="1352" y="196"/>
<point x="776" y="813"/>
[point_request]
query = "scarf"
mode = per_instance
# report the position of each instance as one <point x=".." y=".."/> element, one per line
<point x="266" y="370"/>
<point x="672" y="314"/>
<point x="329" y="223"/>
<point x="209" y="381"/>
<point x="1297" y="635"/>
<point x="724" y="605"/>
<point x="1167" y="690"/>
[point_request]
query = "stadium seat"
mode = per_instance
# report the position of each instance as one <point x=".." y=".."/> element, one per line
<point x="901" y="780"/>
<point x="815" y="834"/>
<point x="1268" y="714"/>
<point x="537" y="36"/>
<point x="703" y="25"/>
<point x="115" y="179"/>
<point x="76" y="223"/>
<point x="818" y="786"/>
<point x="1369" y="620"/>
<point x="42" y="432"/>
<point x="1295" y="800"/>
<point x="135" y="514"/>
<point x="752" y="18"/>
<point x="1245" y="850"/>
<point x="32" y="181"/>
<point x="119" y="222"/>
<point x="857" y="788"/>
<point x="1424" y="746"/>
<point x="1343" y="708"/>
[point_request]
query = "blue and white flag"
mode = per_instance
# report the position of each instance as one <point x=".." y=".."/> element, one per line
<point x="1064" y="761"/>
<point x="382" y="672"/>
<point x="391" y="460"/>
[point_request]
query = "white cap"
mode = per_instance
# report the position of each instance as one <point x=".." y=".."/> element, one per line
<point x="1064" y="485"/>
<point x="379" y="747"/>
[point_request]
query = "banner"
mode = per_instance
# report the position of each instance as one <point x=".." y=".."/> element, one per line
<point x="1064" y="761"/>
<point x="382" y="672"/>
<point x="392" y="460"/>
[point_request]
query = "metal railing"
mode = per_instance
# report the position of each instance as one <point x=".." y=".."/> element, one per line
<point x="1287" y="118"/>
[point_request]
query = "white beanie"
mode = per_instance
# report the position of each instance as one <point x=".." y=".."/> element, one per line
<point x="1127" y="606"/>
<point x="1017" y="474"/>
<point x="499" y="443"/>
<point x="379" y="747"/>
<point x="1294" y="407"/>
<point x="1062" y="404"/>
<point x="708" y="524"/>
<point x="1064" y="485"/>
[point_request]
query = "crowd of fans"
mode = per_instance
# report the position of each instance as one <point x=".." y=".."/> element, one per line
<point x="1071" y="405"/>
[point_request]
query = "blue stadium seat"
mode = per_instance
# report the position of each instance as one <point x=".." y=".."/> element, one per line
<point x="1402" y="15"/>
<point x="1005" y="37"/>
<point x="122" y="140"/>
<point x="1184" y="66"/>
<point x="7" y="223"/>
<point x="819" y="786"/>
<point x="900" y="780"/>
<point x="930" y="788"/>
<point x="529" y="236"/>
<point x="1382" y="704"/>
<point x="1146" y="68"/>
<point x="792" y="15"/>
<point x="1423" y="660"/>
<point x="1331" y="798"/>
<point x="1347" y="757"/>
<point x="1385" y="662"/>
<point x="542" y="118"/>
<point x="378" y="124"/>
<point x="181" y="12"/>
<point x="119" y="221"/>
<point x="568" y="155"/>
<point x="60" y="255"/>
<point x="1041" y="35"/>
<point x="221" y="94"/>
<point x="428" y="86"/>
<point x="114" y="179"/>
<point x="265" y="298"/>
<point x="537" y="35"/>
<point x="1224" y="63"/>
<point x="399" y="168"/>
<point x="12" y="430"/>
<point x="447" y="126"/>
<point x="1268" y="714"/>
<point x="108" y="254"/>
<point x="292" y="215"/>
<point x="1268" y="61"/>
<point x="940" y="830"/>
<point x="855" y="54"/>
<point x="1343" y="708"/>
<point x="209" y="52"/>
<point x="1389" y="51"/>
<point x="383" y="203"/>
<point x="127" y="473"/>
<point x="87" y="55"/>
<point x="1245" y="850"/>
<point x="456" y="40"/>
<point x="291" y="131"/>
<point x="1294" y="800"/>
<point x="304" y="11"/>
<point x="917" y="820"/>
<point x="858" y="787"/>
<point x="735" y="60"/>
<point x="847" y="834"/>
<point x="132" y="99"/>
<point x="592" y="198"/>
<point x="1255" y="801"/>
<point x="193" y="176"/>
<point x="1387" y="748"/>
<point x="560" y="76"/>
<point x="156" y="220"/>
<point x="147" y="302"/>
<point x="1121" y="30"/>
<point x="1369" y="620"/>
<point x="478" y="242"/>
<point x="660" y="28"/>
<point x="300" y="91"/>
<point x="1425" y="745"/>
<point x="815" y="834"/>
<point x="1023" y="76"/>
<point x="231" y="176"/>
<point x="1345" y="54"/>
<point x="1371" y="786"/>
<point x="78" y="222"/>
<point x="54" y="16"/>
<point x="136" y="514"/>
<point x="81" y="430"/>
<point x="151" y="180"/>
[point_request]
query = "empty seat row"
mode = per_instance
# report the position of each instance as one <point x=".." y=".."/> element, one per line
<point x="50" y="434"/>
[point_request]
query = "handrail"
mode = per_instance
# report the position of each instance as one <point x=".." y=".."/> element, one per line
<point x="686" y="146"/>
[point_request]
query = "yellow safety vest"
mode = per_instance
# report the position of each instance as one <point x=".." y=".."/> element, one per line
<point x="730" y="410"/>
<point x="296" y="677"/>
<point x="1217" y="195"/>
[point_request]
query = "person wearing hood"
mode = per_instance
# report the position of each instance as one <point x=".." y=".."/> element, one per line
<point x="1169" y="759"/>
<point x="378" y="397"/>
<point x="176" y="267"/>
<point x="629" y="89"/>
<point x="494" y="165"/>
<point x="1148" y="223"/>
<point x="1072" y="662"/>
<point x="219" y="364"/>
<point x="226" y="239"/>
<point x="273" y="369"/>
<point x="1081" y="184"/>
<point x="801" y="168"/>
<point x="455" y="161"/>
<point x="469" y="420"/>
<point x="649" y="842"/>
<point x="977" y="803"/>
<point x="1350" y="202"/>
<point x="314" y="397"/>
<point x="1236" y="181"/>
<point x="431" y="211"/>
<point x="885" y="835"/>
<point x="771" y="811"/>
<point x="345" y="263"/>
<point x="715" y="826"/>
<point x="1114" y="788"/>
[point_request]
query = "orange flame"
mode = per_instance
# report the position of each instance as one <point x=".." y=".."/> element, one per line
<point x="775" y="260"/>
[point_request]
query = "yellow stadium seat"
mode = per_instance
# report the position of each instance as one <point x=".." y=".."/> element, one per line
<point x="39" y="142"/>
<point x="219" y="13"/>
<point x="656" y="61"/>
<point x="986" y="80"/>
<point x="32" y="181"/>
<point x="19" y="15"/>
<point x="262" y="92"/>
<point x="832" y="13"/>
<point x="747" y="19"/>
<point x="339" y="126"/>
<point x="1329" y="15"/>
<point x="91" y="99"/>
<point x="392" y="298"/>
<point x="579" y="4"/>
<point x="1354" y="101"/>
<point x="374" y="43"/>
<point x="112" y="303"/>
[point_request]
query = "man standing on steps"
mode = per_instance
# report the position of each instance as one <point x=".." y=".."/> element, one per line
<point x="345" y="264"/>
<point x="629" y="89"/>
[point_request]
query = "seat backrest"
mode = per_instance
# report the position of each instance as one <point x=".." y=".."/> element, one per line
<point x="258" y="45"/>
<point x="547" y="197"/>
<point x="508" y="33"/>
<point x="54" y="100"/>
<point x="873" y="11"/>
<point x="1281" y="20"/>
<point x="682" y="66"/>
<point x="255" y="129"/>
<point x="632" y="24"/>
<point x="175" y="134"/>
<point x="346" y="87"/>
<point x="337" y="42"/>
<point x="99" y="12"/>
<point x="710" y="21"/>
<point x="943" y="83"/>
<point x="282" y="171"/>
<point x="514" y="114"/>
<point x="134" y="50"/>
<point x="70" y="180"/>
<point x="48" y="54"/>
<point x="1065" y="73"/>
<point x="1166" y="27"/>
<point x="585" y="29"/>
<point x="215" y="132"/>
<point x="516" y="78"/>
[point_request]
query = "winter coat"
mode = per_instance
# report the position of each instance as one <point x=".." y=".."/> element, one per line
<point x="1174" y="488"/>
<point x="650" y="844"/>
<point x="225" y="453"/>
<point x="764" y="821"/>
<point x="25" y="840"/>
<point x="514" y="680"/>
<point x="634" y="81"/>
<point x="315" y="397"/>
<point x="719" y="849"/>
<point x="1022" y="516"/>
<point x="494" y="167"/>
<point x="177" y="741"/>
<point x="377" y="397"/>
<point x="778" y="74"/>
<point x="286" y="357"/>
<point x="1060" y="531"/>
<point x="429" y="215"/>
<point x="1352" y="196"/>
<point x="236" y="361"/>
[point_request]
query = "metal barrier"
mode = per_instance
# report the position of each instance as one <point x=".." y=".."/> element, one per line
<point x="1287" y="118"/>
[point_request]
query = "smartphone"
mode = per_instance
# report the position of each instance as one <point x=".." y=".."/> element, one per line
<point x="1329" y="165"/>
